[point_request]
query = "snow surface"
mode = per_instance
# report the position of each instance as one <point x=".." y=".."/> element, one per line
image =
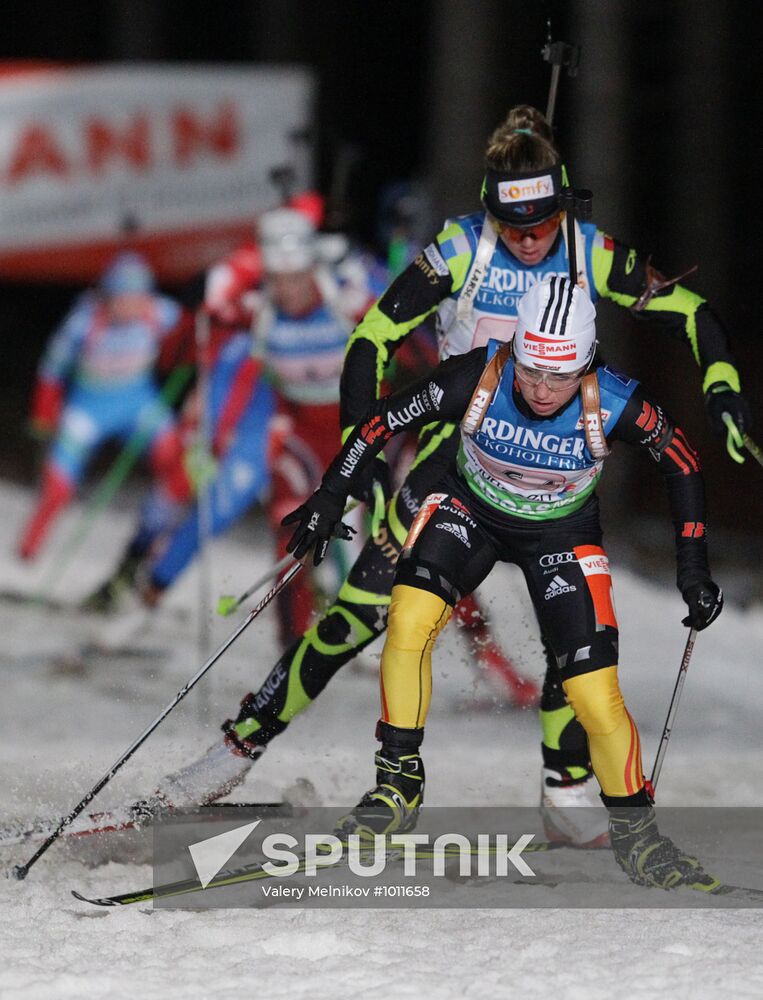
<point x="60" y="731"/>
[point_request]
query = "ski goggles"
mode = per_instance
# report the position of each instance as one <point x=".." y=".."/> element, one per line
<point x="537" y="231"/>
<point x="522" y="198"/>
<point x="555" y="381"/>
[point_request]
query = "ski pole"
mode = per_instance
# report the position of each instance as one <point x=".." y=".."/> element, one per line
<point x="204" y="494"/>
<point x="651" y="785"/>
<point x="576" y="203"/>
<point x="753" y="449"/>
<point x="227" y="603"/>
<point x="21" y="871"/>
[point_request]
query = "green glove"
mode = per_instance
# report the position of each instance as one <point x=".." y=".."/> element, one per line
<point x="200" y="466"/>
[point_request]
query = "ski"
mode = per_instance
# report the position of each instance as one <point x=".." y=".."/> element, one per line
<point x="32" y="600"/>
<point x="256" y="871"/>
<point x="135" y="817"/>
<point x="739" y="892"/>
<point x="29" y="832"/>
<point x="65" y="606"/>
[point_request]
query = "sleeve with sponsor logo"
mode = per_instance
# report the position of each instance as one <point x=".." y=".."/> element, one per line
<point x="645" y="425"/>
<point x="438" y="270"/>
<point x="620" y="274"/>
<point x="442" y="395"/>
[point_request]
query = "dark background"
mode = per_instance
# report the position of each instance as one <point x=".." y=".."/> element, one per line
<point x="661" y="122"/>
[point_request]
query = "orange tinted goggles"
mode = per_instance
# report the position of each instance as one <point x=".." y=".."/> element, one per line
<point x="542" y="229"/>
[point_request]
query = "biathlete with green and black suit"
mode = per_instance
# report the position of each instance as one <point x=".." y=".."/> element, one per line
<point x="537" y="420"/>
<point x="473" y="275"/>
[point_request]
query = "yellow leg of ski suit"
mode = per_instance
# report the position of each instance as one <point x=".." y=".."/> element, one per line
<point x="416" y="618"/>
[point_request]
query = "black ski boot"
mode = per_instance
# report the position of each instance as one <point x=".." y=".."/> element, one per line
<point x="105" y="598"/>
<point x="393" y="805"/>
<point x="646" y="856"/>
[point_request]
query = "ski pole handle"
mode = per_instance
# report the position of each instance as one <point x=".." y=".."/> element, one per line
<point x="672" y="711"/>
<point x="228" y="604"/>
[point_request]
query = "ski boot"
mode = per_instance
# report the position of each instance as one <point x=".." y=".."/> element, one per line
<point x="124" y="628"/>
<point x="571" y="809"/>
<point x="646" y="856"/>
<point x="205" y="780"/>
<point x="105" y="598"/>
<point x="393" y="805"/>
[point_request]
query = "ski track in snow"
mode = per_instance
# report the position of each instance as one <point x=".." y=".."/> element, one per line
<point x="60" y="732"/>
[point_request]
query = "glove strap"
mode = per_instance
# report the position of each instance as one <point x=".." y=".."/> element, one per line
<point x="734" y="439"/>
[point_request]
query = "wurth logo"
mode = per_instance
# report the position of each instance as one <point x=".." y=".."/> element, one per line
<point x="647" y="418"/>
<point x="373" y="429"/>
<point x="458" y="530"/>
<point x="559" y="586"/>
<point x="693" y="529"/>
<point x="352" y="458"/>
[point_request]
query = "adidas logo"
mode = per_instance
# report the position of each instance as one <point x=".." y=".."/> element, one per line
<point x="458" y="530"/>
<point x="435" y="394"/>
<point x="559" y="586"/>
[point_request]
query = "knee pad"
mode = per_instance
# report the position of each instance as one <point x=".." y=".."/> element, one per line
<point x="415" y="574"/>
<point x="589" y="654"/>
<point x="597" y="700"/>
<point x="333" y="629"/>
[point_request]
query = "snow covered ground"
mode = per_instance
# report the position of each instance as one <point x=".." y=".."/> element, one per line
<point x="59" y="731"/>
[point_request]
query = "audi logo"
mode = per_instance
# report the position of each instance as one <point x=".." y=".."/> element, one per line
<point x="557" y="558"/>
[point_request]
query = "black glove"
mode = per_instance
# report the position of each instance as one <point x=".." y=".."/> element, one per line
<point x="317" y="521"/>
<point x="719" y="399"/>
<point x="704" y="601"/>
<point x="378" y="471"/>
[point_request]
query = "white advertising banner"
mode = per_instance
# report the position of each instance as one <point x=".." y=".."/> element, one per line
<point x="173" y="160"/>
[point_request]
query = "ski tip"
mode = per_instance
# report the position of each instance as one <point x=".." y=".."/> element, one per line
<point x="226" y="605"/>
<point x="93" y="902"/>
<point x="740" y="892"/>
